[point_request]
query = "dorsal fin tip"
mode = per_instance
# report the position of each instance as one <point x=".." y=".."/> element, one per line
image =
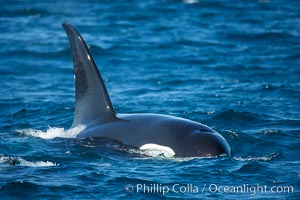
<point x="92" y="99"/>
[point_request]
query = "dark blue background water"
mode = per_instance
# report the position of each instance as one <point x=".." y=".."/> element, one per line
<point x="233" y="65"/>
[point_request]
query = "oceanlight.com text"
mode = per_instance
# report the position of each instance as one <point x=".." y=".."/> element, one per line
<point x="251" y="189"/>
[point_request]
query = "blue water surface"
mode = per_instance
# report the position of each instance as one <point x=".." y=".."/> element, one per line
<point x="232" y="65"/>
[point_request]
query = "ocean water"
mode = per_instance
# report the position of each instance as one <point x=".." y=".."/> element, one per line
<point x="232" y="65"/>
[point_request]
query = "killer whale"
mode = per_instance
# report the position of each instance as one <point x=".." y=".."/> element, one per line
<point x="95" y="113"/>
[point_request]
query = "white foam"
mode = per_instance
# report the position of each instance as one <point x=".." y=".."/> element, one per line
<point x="22" y="162"/>
<point x="53" y="132"/>
<point x="262" y="158"/>
<point x="4" y="159"/>
<point x="37" y="163"/>
<point x="156" y="150"/>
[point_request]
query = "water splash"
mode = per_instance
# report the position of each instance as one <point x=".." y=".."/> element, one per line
<point x="22" y="162"/>
<point x="37" y="163"/>
<point x="53" y="132"/>
<point x="262" y="158"/>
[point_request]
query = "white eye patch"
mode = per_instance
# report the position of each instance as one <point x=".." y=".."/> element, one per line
<point x="155" y="150"/>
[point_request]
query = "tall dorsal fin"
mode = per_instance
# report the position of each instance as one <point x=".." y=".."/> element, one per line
<point x="92" y="99"/>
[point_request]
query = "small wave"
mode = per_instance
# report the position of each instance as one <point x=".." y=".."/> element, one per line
<point x="32" y="53"/>
<point x="23" y="12"/>
<point x="270" y="132"/>
<point x="190" y="1"/>
<point x="231" y="133"/>
<point x="229" y="115"/>
<point x="226" y="113"/>
<point x="260" y="35"/>
<point x="53" y="132"/>
<point x="262" y="158"/>
<point x="22" y="162"/>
